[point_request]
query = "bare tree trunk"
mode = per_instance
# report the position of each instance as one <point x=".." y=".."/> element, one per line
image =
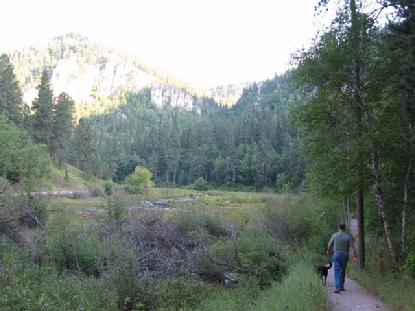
<point x="360" y="226"/>
<point x="407" y="188"/>
<point x="174" y="173"/>
<point x="380" y="199"/>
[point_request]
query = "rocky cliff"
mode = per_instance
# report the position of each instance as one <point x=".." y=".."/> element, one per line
<point x="88" y="71"/>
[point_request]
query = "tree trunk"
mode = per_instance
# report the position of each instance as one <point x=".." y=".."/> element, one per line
<point x="357" y="86"/>
<point x="407" y="188"/>
<point x="360" y="226"/>
<point x="380" y="199"/>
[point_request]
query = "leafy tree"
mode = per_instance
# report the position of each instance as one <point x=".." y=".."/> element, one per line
<point x="140" y="178"/>
<point x="10" y="93"/>
<point x="21" y="161"/>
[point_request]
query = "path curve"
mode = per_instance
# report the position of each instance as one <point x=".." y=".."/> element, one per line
<point x="354" y="298"/>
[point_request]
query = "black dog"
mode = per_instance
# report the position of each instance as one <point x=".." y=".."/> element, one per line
<point x="323" y="271"/>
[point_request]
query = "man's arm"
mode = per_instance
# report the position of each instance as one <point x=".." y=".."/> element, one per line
<point x="330" y="245"/>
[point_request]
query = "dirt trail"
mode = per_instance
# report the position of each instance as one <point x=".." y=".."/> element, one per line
<point x="355" y="297"/>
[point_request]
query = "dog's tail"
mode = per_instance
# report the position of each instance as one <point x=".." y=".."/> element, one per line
<point x="329" y="265"/>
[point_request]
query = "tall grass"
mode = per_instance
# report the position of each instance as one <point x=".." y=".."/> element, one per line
<point x="398" y="293"/>
<point x="300" y="290"/>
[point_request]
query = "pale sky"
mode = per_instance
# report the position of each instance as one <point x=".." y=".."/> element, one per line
<point x="204" y="42"/>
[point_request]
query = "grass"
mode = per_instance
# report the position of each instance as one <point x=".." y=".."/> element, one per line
<point x="239" y="207"/>
<point x="300" y="290"/>
<point x="76" y="179"/>
<point x="398" y="293"/>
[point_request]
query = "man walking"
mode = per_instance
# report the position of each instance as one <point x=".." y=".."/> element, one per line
<point x="340" y="243"/>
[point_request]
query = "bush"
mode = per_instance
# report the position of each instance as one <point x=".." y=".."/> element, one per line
<point x="108" y="187"/>
<point x="253" y="254"/>
<point x="96" y="190"/>
<point x="72" y="249"/>
<point x="410" y="264"/>
<point x="302" y="220"/>
<point x="24" y="286"/>
<point x="140" y="179"/>
<point x="194" y="221"/>
<point x="180" y="293"/>
<point x="200" y="184"/>
<point x="131" y="189"/>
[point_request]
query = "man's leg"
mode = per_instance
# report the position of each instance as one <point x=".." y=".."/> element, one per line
<point x="337" y="267"/>
<point x="344" y="266"/>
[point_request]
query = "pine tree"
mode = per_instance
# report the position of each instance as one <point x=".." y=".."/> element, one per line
<point x="84" y="148"/>
<point x="10" y="94"/>
<point x="62" y="125"/>
<point x="43" y="112"/>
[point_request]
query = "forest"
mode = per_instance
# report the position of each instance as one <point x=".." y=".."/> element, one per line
<point x="133" y="206"/>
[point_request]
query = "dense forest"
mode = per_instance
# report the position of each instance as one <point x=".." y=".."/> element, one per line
<point x="250" y="144"/>
<point x="331" y="139"/>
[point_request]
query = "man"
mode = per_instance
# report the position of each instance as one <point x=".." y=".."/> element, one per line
<point x="340" y="243"/>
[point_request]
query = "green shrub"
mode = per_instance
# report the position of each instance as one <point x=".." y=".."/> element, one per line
<point x="96" y="190"/>
<point x="195" y="221"/>
<point x="108" y="187"/>
<point x="253" y="254"/>
<point x="24" y="286"/>
<point x="72" y="249"/>
<point x="140" y="179"/>
<point x="200" y="184"/>
<point x="131" y="189"/>
<point x="180" y="293"/>
<point x="134" y="287"/>
<point x="302" y="220"/>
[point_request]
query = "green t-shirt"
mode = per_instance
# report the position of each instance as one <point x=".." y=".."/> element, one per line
<point x="341" y="242"/>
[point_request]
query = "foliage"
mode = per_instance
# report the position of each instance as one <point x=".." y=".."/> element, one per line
<point x="397" y="292"/>
<point x="140" y="178"/>
<point x="251" y="144"/>
<point x="25" y="286"/>
<point x="108" y="187"/>
<point x="42" y="108"/>
<point x="300" y="290"/>
<point x="200" y="184"/>
<point x="62" y="125"/>
<point x="96" y="190"/>
<point x="180" y="294"/>
<point x="253" y="254"/>
<point x="21" y="161"/>
<point x="303" y="220"/>
<point x="73" y="250"/>
<point x="201" y="222"/>
<point x="10" y="94"/>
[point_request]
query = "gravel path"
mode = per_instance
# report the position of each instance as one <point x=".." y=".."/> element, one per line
<point x="354" y="298"/>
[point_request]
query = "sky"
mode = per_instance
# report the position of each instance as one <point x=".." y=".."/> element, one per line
<point x="204" y="42"/>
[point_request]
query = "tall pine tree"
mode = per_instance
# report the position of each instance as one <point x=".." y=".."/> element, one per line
<point x="62" y="125"/>
<point x="42" y="108"/>
<point x="10" y="94"/>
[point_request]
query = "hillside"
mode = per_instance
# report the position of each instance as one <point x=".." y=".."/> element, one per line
<point x="94" y="75"/>
<point x="91" y="73"/>
<point x="70" y="178"/>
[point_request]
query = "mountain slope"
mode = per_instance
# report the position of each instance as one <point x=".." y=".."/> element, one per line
<point x="89" y="72"/>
